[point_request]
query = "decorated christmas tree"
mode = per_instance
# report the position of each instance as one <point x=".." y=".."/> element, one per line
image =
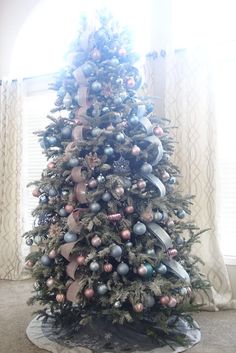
<point x="112" y="233"/>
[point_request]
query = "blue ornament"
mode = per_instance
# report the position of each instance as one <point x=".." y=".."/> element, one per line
<point x="29" y="241"/>
<point x="66" y="132"/>
<point x="106" y="196"/>
<point x="146" y="168"/>
<point x="95" y="207"/>
<point x="161" y="268"/>
<point x="139" y="228"/>
<point x="73" y="162"/>
<point x="181" y="214"/>
<point x="108" y="150"/>
<point x="117" y="100"/>
<point x="63" y="213"/>
<point x="150" y="270"/>
<point x="171" y="180"/>
<point x="134" y="120"/>
<point x="52" y="192"/>
<point x="70" y="237"/>
<point x="52" y="140"/>
<point x="123" y="269"/>
<point x="116" y="251"/>
<point x="102" y="289"/>
<point x="43" y="199"/>
<point x="45" y="260"/>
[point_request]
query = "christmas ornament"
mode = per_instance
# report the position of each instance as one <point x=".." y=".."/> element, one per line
<point x="127" y="182"/>
<point x="62" y="212"/>
<point x="183" y="291"/>
<point x="52" y="192"/>
<point x="138" y="308"/>
<point x="45" y="260"/>
<point x="96" y="132"/>
<point x="115" y="251"/>
<point x="95" y="207"/>
<point x="161" y="268"/>
<point x="67" y="100"/>
<point x="106" y="196"/>
<point x="170" y="223"/>
<point x="96" y="54"/>
<point x="146" y="168"/>
<point x="139" y="228"/>
<point x="36" y="193"/>
<point x="149" y="269"/>
<point x="149" y="301"/>
<point x="60" y="298"/>
<point x="134" y="120"/>
<point x="157" y="216"/>
<point x="122" y="52"/>
<point x="135" y="150"/>
<point x="128" y="245"/>
<point x="37" y="239"/>
<point x="50" y="282"/>
<point x="141" y="184"/>
<point x="130" y="82"/>
<point x="121" y="167"/>
<point x="52" y="254"/>
<point x="147" y="215"/>
<point x="105" y="110"/>
<point x="69" y="208"/>
<point x="89" y="293"/>
<point x="101" y="179"/>
<point x="142" y="271"/>
<point x="70" y="237"/>
<point x="125" y="234"/>
<point x="52" y="140"/>
<point x="158" y="131"/>
<point x="107" y="267"/>
<point x="117" y="101"/>
<point x="64" y="193"/>
<point x="73" y="162"/>
<point x="92" y="184"/>
<point x="96" y="86"/>
<point x="51" y="165"/>
<point x="122" y="269"/>
<point x="179" y="241"/>
<point x="171" y="180"/>
<point x="96" y="241"/>
<point x="119" y="190"/>
<point x="172" y="302"/>
<point x="129" y="209"/>
<point x="66" y="132"/>
<point x="88" y="69"/>
<point x="117" y="305"/>
<point x="120" y="137"/>
<point x="172" y="252"/>
<point x="108" y="150"/>
<point x="94" y="266"/>
<point x="114" y="61"/>
<point x="102" y="289"/>
<point x="165" y="176"/>
<point x="43" y="199"/>
<point x="181" y="214"/>
<point x="114" y="217"/>
<point x="80" y="260"/>
<point x="29" y="264"/>
<point x="151" y="252"/>
<point x="164" y="300"/>
<point x="29" y="241"/>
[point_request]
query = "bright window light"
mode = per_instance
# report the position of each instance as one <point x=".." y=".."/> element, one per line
<point x="45" y="36"/>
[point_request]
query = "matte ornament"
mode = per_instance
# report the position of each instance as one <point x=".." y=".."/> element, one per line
<point x="70" y="237"/>
<point x="138" y="308"/>
<point x="60" y="298"/>
<point x="66" y="132"/>
<point x="45" y="260"/>
<point x="158" y="131"/>
<point x="120" y="137"/>
<point x="29" y="242"/>
<point x="89" y="293"/>
<point x="69" y="208"/>
<point x="94" y="266"/>
<point x="164" y="300"/>
<point x="36" y="193"/>
<point x="146" y="169"/>
<point x="115" y="251"/>
<point x="102" y="289"/>
<point x="129" y="209"/>
<point x="149" y="301"/>
<point x="96" y="241"/>
<point x="108" y="267"/>
<point x="157" y="216"/>
<point x="62" y="212"/>
<point x="161" y="268"/>
<point x="121" y="167"/>
<point x="92" y="184"/>
<point x="80" y="260"/>
<point x="95" y="207"/>
<point x="123" y="269"/>
<point x="50" y="282"/>
<point x="172" y="302"/>
<point x="96" y="86"/>
<point x="52" y="254"/>
<point x="106" y="196"/>
<point x="108" y="150"/>
<point x="125" y="234"/>
<point x="139" y="228"/>
<point x="135" y="150"/>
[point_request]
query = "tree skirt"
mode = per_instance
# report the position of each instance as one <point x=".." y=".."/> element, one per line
<point x="103" y="338"/>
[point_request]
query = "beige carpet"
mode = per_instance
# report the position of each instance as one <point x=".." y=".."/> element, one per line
<point x="218" y="329"/>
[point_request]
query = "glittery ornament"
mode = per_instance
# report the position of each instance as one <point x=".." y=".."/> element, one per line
<point x="164" y="300"/>
<point x="134" y="120"/>
<point x="80" y="260"/>
<point x="60" y="298"/>
<point x="123" y="269"/>
<point x="117" y="305"/>
<point x="125" y="234"/>
<point x="96" y="241"/>
<point x="89" y="293"/>
<point x="121" y="167"/>
<point x="138" y="308"/>
<point x="101" y="179"/>
<point x="135" y="150"/>
<point x="107" y="267"/>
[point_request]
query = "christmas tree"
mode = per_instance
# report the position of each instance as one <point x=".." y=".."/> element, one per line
<point x="110" y="228"/>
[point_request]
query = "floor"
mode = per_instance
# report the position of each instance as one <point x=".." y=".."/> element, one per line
<point x="218" y="329"/>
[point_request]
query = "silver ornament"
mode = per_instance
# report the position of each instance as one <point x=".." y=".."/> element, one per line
<point x="161" y="268"/>
<point x="64" y="193"/>
<point x="29" y="241"/>
<point x="101" y="179"/>
<point x="70" y="237"/>
<point x="67" y="100"/>
<point x="183" y="291"/>
<point x="108" y="150"/>
<point x="139" y="228"/>
<point x="95" y="207"/>
<point x="43" y="199"/>
<point x="96" y="86"/>
<point x="37" y="239"/>
<point x="45" y="260"/>
<point x="117" y="305"/>
<point x="102" y="289"/>
<point x="127" y="183"/>
<point x="123" y="269"/>
<point x="62" y="212"/>
<point x="52" y="140"/>
<point x="116" y="251"/>
<point x="96" y="132"/>
<point x="73" y="162"/>
<point x="151" y="252"/>
<point x="117" y="100"/>
<point x="120" y="137"/>
<point x="94" y="266"/>
<point x="66" y="132"/>
<point x="157" y="216"/>
<point x="134" y="120"/>
<point x="181" y="214"/>
<point x="129" y="245"/>
<point x="52" y="192"/>
<point x="146" y="168"/>
<point x="106" y="196"/>
<point x="149" y="301"/>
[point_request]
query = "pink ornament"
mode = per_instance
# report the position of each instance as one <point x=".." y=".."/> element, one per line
<point x="172" y="252"/>
<point x="189" y="291"/>
<point x="114" y="217"/>
<point x="165" y="176"/>
<point x="135" y="150"/>
<point x="51" y="165"/>
<point x="108" y="267"/>
<point x="52" y="254"/>
<point x="92" y="183"/>
<point x="158" y="131"/>
<point x="60" y="298"/>
<point x="122" y="52"/>
<point x="129" y="209"/>
<point x="119" y="190"/>
<point x="69" y="208"/>
<point x="170" y="224"/>
<point x="125" y="234"/>
<point x="36" y="193"/>
<point x="141" y="184"/>
<point x="81" y="260"/>
<point x="142" y="270"/>
<point x="164" y="300"/>
<point x="89" y="293"/>
<point x="172" y="302"/>
<point x="50" y="282"/>
<point x="130" y="82"/>
<point x="138" y="308"/>
<point x="96" y="54"/>
<point x="29" y="264"/>
<point x="96" y="241"/>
